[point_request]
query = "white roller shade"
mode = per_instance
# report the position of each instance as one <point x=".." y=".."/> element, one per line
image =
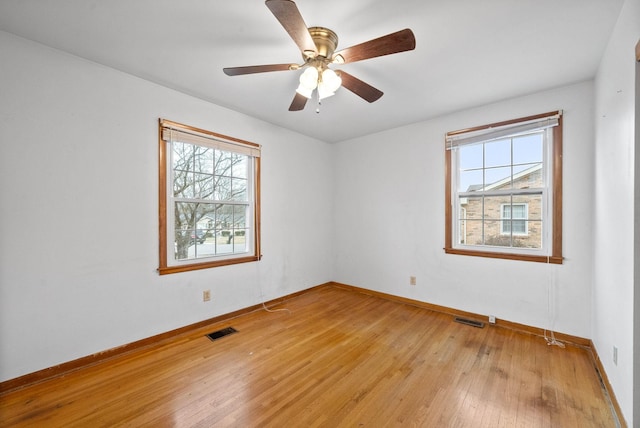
<point x="459" y="139"/>
<point x="170" y="134"/>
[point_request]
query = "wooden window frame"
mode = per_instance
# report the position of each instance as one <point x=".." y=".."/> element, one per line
<point x="555" y="254"/>
<point x="163" y="158"/>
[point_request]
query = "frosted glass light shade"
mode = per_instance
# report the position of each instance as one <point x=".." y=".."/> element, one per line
<point x="324" y="92"/>
<point x="304" y="91"/>
<point x="308" y="82"/>
<point x="327" y="84"/>
<point x="331" y="80"/>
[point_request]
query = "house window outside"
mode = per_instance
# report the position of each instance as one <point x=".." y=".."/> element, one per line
<point x="514" y="219"/>
<point x="209" y="199"/>
<point x="504" y="190"/>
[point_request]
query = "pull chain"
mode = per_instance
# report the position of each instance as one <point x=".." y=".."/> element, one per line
<point x="319" y="102"/>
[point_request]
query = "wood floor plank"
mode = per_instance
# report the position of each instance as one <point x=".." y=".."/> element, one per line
<point x="335" y="358"/>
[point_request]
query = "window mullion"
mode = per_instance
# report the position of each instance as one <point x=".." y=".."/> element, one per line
<point x="506" y="192"/>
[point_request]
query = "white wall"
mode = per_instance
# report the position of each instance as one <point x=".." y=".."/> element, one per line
<point x="79" y="211"/>
<point x="390" y="215"/>
<point x="78" y="214"/>
<point x="614" y="246"/>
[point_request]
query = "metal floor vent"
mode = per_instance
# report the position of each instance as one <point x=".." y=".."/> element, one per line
<point x="472" y="323"/>
<point x="221" y="333"/>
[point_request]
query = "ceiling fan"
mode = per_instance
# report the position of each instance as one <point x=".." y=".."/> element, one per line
<point x="318" y="45"/>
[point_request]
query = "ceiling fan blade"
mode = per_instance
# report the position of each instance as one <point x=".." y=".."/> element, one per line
<point x="400" y="41"/>
<point x="360" y="88"/>
<point x="298" y="103"/>
<point x="238" y="71"/>
<point x="290" y="18"/>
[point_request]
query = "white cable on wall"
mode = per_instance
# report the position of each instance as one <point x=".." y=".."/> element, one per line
<point x="551" y="306"/>
<point x="262" y="298"/>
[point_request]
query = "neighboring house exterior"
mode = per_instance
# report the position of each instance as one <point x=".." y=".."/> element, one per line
<point x="508" y="221"/>
<point x="206" y="223"/>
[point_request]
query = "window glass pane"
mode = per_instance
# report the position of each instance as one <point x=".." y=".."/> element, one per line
<point x="497" y="153"/>
<point x="471" y="232"/>
<point x="240" y="242"/>
<point x="470" y="157"/>
<point x="527" y="149"/>
<point x="224" y="161"/>
<point x="202" y="186"/>
<point x="191" y="222"/>
<point x="183" y="156"/>
<point x="470" y="180"/>
<point x="472" y="206"/>
<point x="184" y="215"/>
<point x="239" y="189"/>
<point x="224" y="218"/>
<point x="528" y="176"/>
<point x="239" y="217"/>
<point x="526" y="234"/>
<point x="493" y="206"/>
<point x="498" y="178"/>
<point x="183" y="184"/>
<point x="226" y="247"/>
<point x="493" y="234"/>
<point x="533" y="236"/>
<point x="223" y="189"/>
<point x="202" y="157"/>
<point x="181" y="248"/>
<point x="239" y="168"/>
<point x="224" y="234"/>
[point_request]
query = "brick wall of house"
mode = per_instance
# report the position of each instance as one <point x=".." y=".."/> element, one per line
<point x="471" y="219"/>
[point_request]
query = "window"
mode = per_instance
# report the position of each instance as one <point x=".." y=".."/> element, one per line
<point x="209" y="199"/>
<point x="514" y="219"/>
<point x="504" y="190"/>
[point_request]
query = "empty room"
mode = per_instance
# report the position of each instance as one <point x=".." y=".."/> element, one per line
<point x="335" y="214"/>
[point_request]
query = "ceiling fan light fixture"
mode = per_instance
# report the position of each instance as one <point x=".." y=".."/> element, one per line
<point x="331" y="80"/>
<point x="308" y="82"/>
<point x="318" y="48"/>
<point x="305" y="92"/>
<point x="329" y="84"/>
<point x="309" y="78"/>
<point x="324" y="92"/>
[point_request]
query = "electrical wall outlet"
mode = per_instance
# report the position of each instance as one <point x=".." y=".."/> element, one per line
<point x="206" y="295"/>
<point x="615" y="355"/>
<point x="412" y="280"/>
<point x="492" y="319"/>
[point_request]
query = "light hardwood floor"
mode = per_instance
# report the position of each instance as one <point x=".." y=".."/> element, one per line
<point x="338" y="358"/>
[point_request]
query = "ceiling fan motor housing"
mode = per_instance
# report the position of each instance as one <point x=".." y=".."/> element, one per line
<point x="326" y="41"/>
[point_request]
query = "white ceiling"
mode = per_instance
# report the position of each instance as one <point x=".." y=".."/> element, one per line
<point x="468" y="52"/>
